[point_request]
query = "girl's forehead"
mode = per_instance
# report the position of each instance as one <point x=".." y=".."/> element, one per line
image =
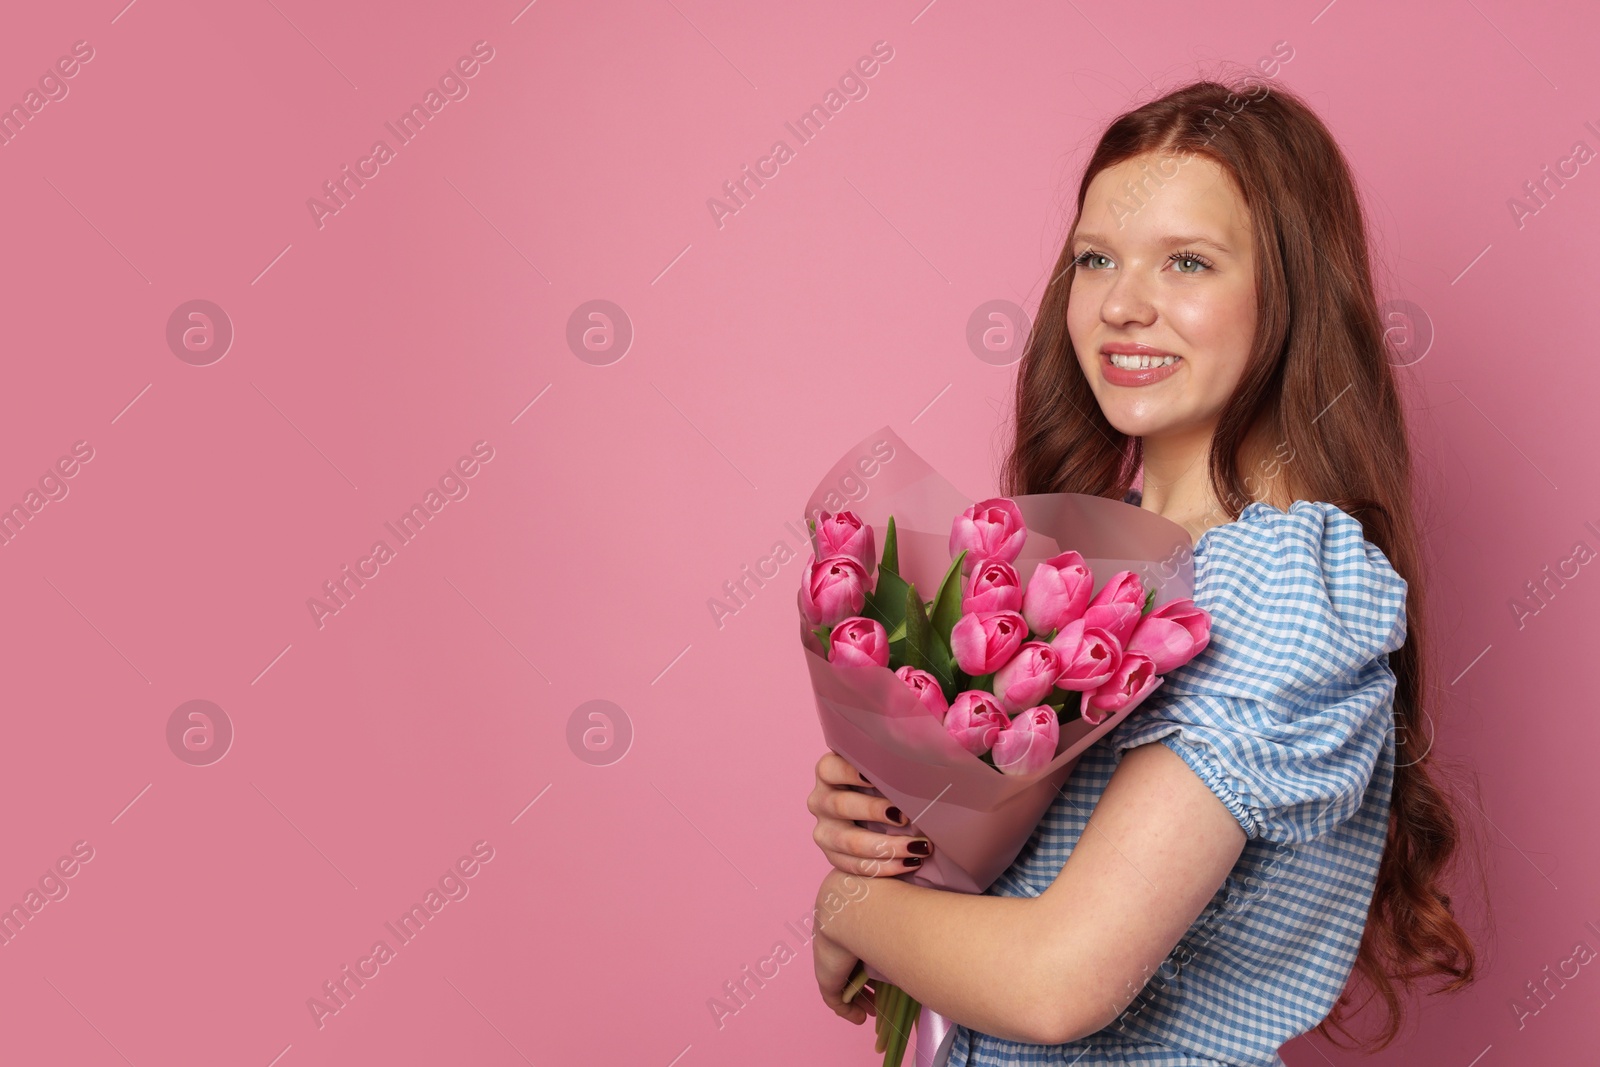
<point x="1198" y="202"/>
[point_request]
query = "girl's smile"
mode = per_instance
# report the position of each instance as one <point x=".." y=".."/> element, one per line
<point x="1133" y="365"/>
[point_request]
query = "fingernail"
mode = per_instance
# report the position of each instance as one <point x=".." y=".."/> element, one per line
<point x="920" y="847"/>
<point x="862" y="777"/>
<point x="895" y="816"/>
<point x="913" y="861"/>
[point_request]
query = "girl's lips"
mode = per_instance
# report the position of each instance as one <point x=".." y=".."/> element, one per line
<point x="1118" y="376"/>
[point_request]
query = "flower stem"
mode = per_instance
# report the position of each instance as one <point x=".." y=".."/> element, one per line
<point x="858" y="978"/>
<point x="900" y="1036"/>
<point x="888" y="997"/>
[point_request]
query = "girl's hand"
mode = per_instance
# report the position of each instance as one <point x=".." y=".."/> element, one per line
<point x="834" y="963"/>
<point x="837" y="801"/>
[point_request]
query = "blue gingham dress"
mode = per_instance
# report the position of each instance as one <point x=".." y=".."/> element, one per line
<point x="1288" y="716"/>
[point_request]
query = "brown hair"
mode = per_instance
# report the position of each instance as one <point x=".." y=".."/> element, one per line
<point x="1318" y="381"/>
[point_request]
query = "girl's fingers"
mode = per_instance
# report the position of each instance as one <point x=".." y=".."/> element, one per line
<point x="851" y="805"/>
<point x="870" y="868"/>
<point x="834" y="769"/>
<point x="852" y="840"/>
<point x="839" y="804"/>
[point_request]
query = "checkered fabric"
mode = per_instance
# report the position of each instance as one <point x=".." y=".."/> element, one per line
<point x="1288" y="717"/>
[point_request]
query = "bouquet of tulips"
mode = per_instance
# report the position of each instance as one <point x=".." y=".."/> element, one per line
<point x="970" y="707"/>
<point x="998" y="662"/>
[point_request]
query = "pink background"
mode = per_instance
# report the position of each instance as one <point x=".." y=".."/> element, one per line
<point x="433" y="309"/>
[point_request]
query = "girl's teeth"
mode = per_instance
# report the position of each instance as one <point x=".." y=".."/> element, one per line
<point x="1141" y="362"/>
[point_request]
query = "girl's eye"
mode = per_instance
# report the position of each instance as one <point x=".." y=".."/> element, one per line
<point x="1188" y="257"/>
<point x="1180" y="258"/>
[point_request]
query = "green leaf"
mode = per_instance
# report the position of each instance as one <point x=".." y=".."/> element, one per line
<point x="887" y="602"/>
<point x="924" y="650"/>
<point x="947" y="603"/>
<point x="919" y="633"/>
<point x="823" y="634"/>
<point x="1149" y="600"/>
<point x="891" y="552"/>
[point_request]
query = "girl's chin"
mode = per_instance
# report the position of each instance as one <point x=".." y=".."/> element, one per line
<point x="1154" y="411"/>
<point x="1144" y="422"/>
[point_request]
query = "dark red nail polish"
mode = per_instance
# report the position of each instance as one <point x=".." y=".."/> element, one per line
<point x="913" y="861"/>
<point x="920" y="848"/>
<point x="862" y="777"/>
<point x="894" y="815"/>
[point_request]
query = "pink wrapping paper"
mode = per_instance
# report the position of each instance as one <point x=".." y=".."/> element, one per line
<point x="977" y="818"/>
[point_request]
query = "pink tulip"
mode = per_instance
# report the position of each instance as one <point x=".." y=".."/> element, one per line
<point x="1088" y="655"/>
<point x="985" y="641"/>
<point x="1118" y="620"/>
<point x="1130" y="683"/>
<point x="1123" y="590"/>
<point x="993" y="586"/>
<point x="989" y="529"/>
<point x="1027" y="677"/>
<point x="975" y="721"/>
<point x="833" y="589"/>
<point x="859" y="642"/>
<point x="926" y="686"/>
<point x="845" y="534"/>
<point x="1057" y="593"/>
<point x="1172" y="634"/>
<point x="1028" y="743"/>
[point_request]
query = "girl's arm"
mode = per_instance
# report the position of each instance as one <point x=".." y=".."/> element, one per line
<point x="1051" y="969"/>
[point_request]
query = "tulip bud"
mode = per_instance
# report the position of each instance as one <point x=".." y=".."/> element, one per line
<point x="985" y="641"/>
<point x="1028" y="742"/>
<point x="993" y="586"/>
<point x="1057" y="593"/>
<point x="859" y="642"/>
<point x="975" y="719"/>
<point x="1129" y="684"/>
<point x="927" y="688"/>
<point x="1028" y="677"/>
<point x="1172" y="634"/>
<point x="1088" y="655"/>
<point x="832" y="589"/>
<point x="845" y="534"/>
<point x="989" y="529"/>
<point x="1125" y="590"/>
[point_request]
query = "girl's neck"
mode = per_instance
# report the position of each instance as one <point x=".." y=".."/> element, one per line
<point x="1177" y="480"/>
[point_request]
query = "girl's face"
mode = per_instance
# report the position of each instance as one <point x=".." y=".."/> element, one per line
<point x="1168" y="272"/>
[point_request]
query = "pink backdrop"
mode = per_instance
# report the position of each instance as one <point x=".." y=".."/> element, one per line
<point x="592" y="898"/>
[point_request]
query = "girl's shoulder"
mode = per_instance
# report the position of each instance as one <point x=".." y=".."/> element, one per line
<point x="1303" y="589"/>
<point x="1287" y="711"/>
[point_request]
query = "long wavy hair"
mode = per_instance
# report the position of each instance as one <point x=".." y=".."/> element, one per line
<point x="1319" y="382"/>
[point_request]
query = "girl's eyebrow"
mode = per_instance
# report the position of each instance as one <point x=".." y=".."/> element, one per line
<point x="1169" y="241"/>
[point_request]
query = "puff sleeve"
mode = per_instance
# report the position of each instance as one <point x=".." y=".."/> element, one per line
<point x="1289" y="708"/>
